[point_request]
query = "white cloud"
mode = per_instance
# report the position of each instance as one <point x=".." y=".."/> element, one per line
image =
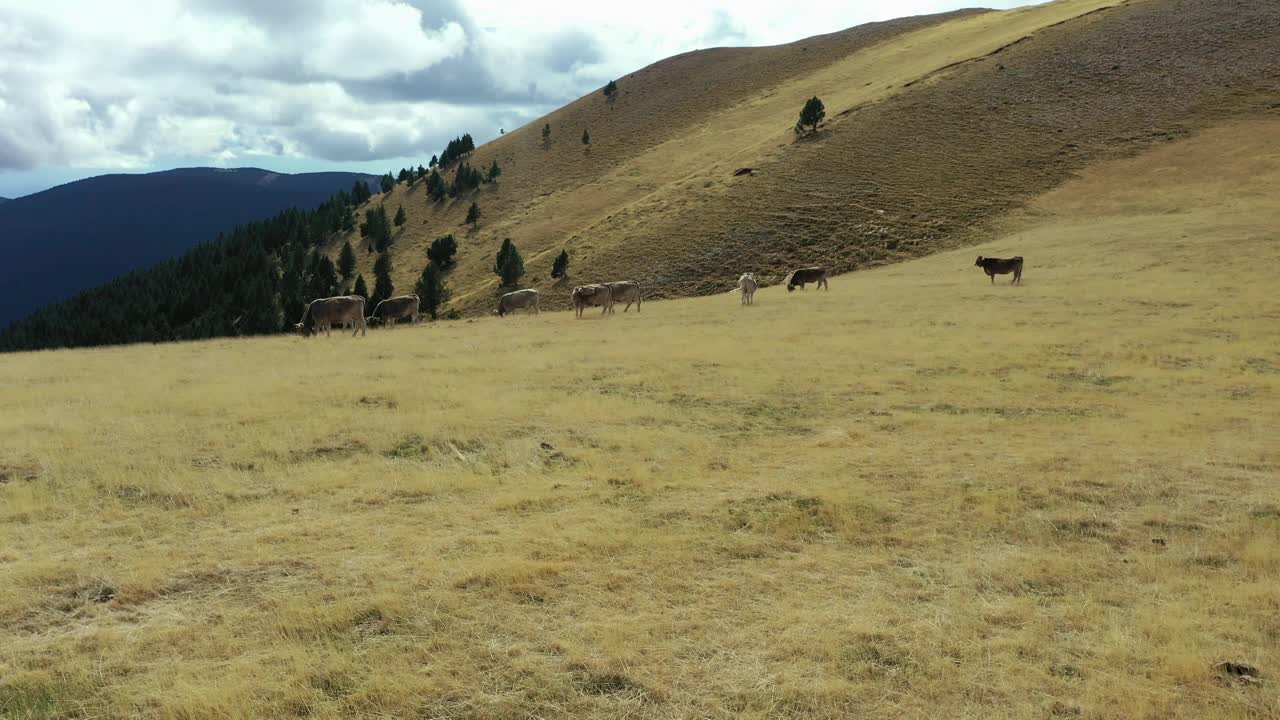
<point x="131" y="83"/>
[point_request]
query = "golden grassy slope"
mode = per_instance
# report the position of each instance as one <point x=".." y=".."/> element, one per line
<point x="915" y="495"/>
<point x="936" y="126"/>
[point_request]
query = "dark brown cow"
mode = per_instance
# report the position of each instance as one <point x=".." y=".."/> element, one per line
<point x="585" y="296"/>
<point x="397" y="308"/>
<point x="324" y="313"/>
<point x="800" y="278"/>
<point x="625" y="291"/>
<point x="1001" y="266"/>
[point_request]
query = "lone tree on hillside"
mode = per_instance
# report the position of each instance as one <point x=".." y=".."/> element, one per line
<point x="473" y="214"/>
<point x="400" y="217"/>
<point x="508" y="264"/>
<point x="586" y="137"/>
<point x="361" y="289"/>
<point x="611" y="90"/>
<point x="494" y="172"/>
<point x="811" y="116"/>
<point x="442" y="251"/>
<point x="432" y="291"/>
<point x="560" y="268"/>
<point x="546" y="135"/>
<point x="346" y="261"/>
<point x="382" y="288"/>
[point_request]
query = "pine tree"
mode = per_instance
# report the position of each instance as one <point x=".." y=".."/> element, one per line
<point x="388" y="182"/>
<point x="811" y="116"/>
<point x="346" y="261"/>
<point x="379" y="228"/>
<point x="432" y="290"/>
<point x="382" y="288"/>
<point x="586" y="137"/>
<point x="361" y="289"/>
<point x="422" y="173"/>
<point x="546" y="135"/>
<point x="473" y="214"/>
<point x="400" y="217"/>
<point x="560" y="268"/>
<point x="434" y="162"/>
<point x="611" y="90"/>
<point x="494" y="171"/>
<point x="508" y="264"/>
<point x="403" y="176"/>
<point x="442" y="251"/>
<point x="348" y="220"/>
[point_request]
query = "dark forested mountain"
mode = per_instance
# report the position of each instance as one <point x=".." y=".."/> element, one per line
<point x="3" y="200"/>
<point x="85" y="233"/>
<point x="253" y="280"/>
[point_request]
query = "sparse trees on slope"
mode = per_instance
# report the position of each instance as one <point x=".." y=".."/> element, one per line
<point x="432" y="291"/>
<point x="811" y="116"/>
<point x="473" y="214"/>
<point x="611" y="90"/>
<point x="377" y="228"/>
<point x="442" y="251"/>
<point x="560" y="268"/>
<point x="508" y="264"/>
<point x="435" y="186"/>
<point x="346" y="261"/>
<point x="400" y="217"/>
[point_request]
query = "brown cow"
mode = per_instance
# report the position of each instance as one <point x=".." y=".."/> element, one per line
<point x="585" y="296"/>
<point x="1001" y="266"/>
<point x="397" y="308"/>
<point x="518" y="300"/>
<point x="800" y="278"/>
<point x="624" y="291"/>
<point x="322" y="314"/>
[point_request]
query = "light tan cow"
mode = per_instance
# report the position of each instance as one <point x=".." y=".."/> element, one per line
<point x="624" y="291"/>
<point x="397" y="308"/>
<point x="748" y="285"/>
<point x="519" y="300"/>
<point x="585" y="296"/>
<point x="323" y="314"/>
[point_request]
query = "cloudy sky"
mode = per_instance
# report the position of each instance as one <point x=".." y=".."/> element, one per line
<point x="93" y="86"/>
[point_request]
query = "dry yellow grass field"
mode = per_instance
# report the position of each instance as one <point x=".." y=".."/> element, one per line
<point x="916" y="495"/>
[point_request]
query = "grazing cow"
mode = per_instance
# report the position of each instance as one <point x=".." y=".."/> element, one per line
<point x="324" y="313"/>
<point x="518" y="300"/>
<point x="585" y="296"/>
<point x="1001" y="266"/>
<point x="397" y="308"/>
<point x="800" y="278"/>
<point x="624" y="291"/>
<point x="748" y="285"/>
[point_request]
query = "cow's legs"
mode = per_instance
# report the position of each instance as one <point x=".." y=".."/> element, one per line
<point x="993" y="278"/>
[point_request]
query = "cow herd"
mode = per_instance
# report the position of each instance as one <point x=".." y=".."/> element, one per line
<point x="347" y="311"/>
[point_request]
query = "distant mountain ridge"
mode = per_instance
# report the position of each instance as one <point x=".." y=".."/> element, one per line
<point x="84" y="233"/>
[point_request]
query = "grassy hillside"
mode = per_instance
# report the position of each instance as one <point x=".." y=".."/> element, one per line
<point x="936" y="127"/>
<point x="914" y="495"/>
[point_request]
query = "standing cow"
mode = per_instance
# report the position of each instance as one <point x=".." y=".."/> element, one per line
<point x="1001" y="266"/>
<point x="747" y="285"/>
<point x="585" y="296"/>
<point x="800" y="278"/>
<point x="624" y="291"/>
<point x="518" y="300"/>
<point x="389" y="311"/>
<point x="324" y="313"/>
